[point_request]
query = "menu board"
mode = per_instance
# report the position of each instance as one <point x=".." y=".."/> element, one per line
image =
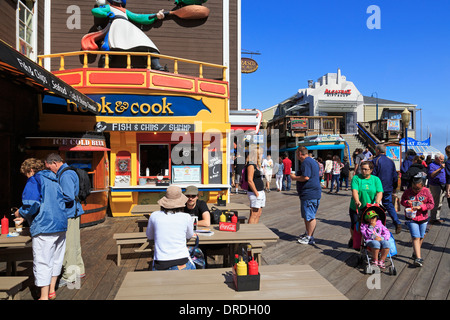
<point x="190" y="174"/>
<point x="215" y="167"/>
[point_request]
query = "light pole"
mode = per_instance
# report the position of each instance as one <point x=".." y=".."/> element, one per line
<point x="406" y="117"/>
<point x="377" y="103"/>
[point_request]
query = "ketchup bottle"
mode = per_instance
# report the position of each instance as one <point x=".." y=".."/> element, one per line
<point x="253" y="267"/>
<point x="5" y="225"/>
<point x="234" y="219"/>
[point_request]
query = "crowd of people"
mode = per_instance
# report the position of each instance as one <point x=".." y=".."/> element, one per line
<point x="425" y="183"/>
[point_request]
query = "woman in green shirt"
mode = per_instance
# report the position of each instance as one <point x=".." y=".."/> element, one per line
<point x="366" y="188"/>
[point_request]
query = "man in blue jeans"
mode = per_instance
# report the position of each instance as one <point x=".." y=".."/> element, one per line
<point x="384" y="168"/>
<point x="309" y="191"/>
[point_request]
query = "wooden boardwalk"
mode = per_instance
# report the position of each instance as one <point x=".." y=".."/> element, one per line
<point x="330" y="256"/>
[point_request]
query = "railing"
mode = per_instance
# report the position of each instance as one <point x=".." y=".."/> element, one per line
<point x="129" y="55"/>
<point x="367" y="137"/>
<point x="301" y="126"/>
<point x="378" y="128"/>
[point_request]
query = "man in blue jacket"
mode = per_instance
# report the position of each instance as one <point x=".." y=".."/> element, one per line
<point x="384" y="168"/>
<point x="69" y="182"/>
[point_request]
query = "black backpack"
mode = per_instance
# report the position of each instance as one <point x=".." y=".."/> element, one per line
<point x="85" y="184"/>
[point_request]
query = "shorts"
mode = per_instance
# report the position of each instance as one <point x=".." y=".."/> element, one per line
<point x="268" y="177"/>
<point x="309" y="208"/>
<point x="375" y="244"/>
<point x="417" y="230"/>
<point x="237" y="178"/>
<point x="259" y="202"/>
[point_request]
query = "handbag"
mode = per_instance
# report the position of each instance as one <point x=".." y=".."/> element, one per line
<point x="392" y="246"/>
<point x="197" y="256"/>
<point x="215" y="215"/>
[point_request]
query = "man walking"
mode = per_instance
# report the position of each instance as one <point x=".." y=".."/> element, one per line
<point x="384" y="168"/>
<point x="73" y="262"/>
<point x="287" y="163"/>
<point x="437" y="181"/>
<point x="309" y="191"/>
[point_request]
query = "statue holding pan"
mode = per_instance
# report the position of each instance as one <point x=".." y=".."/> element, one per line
<point x="121" y="34"/>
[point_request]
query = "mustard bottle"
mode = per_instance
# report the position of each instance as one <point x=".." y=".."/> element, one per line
<point x="241" y="268"/>
<point x="223" y="217"/>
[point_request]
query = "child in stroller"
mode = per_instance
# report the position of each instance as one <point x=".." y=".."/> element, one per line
<point x="376" y="237"/>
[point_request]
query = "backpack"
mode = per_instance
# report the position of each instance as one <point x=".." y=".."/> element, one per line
<point x="243" y="181"/>
<point x="84" y="182"/>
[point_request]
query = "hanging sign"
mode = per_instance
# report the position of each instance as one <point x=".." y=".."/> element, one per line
<point x="154" y="127"/>
<point x="248" y="65"/>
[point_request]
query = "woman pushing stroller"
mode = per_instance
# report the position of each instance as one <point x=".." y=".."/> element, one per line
<point x="376" y="237"/>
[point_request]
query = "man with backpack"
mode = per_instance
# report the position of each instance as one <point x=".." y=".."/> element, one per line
<point x="70" y="184"/>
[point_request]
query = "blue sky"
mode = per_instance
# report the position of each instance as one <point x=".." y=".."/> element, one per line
<point x="407" y="59"/>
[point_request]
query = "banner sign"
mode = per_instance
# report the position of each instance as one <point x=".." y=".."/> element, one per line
<point x="299" y="124"/>
<point x="414" y="143"/>
<point x="44" y="78"/>
<point x="154" y="127"/>
<point x="393" y="125"/>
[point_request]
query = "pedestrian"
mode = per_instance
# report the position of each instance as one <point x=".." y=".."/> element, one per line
<point x="416" y="167"/>
<point x="366" y="188"/>
<point x="419" y="200"/>
<point x="345" y="172"/>
<point x="44" y="209"/>
<point x="447" y="175"/>
<point x="367" y="155"/>
<point x="384" y="168"/>
<point x="359" y="157"/>
<point x="437" y="181"/>
<point x="196" y="207"/>
<point x="68" y="180"/>
<point x="309" y="192"/>
<point x="279" y="174"/>
<point x="328" y="167"/>
<point x="255" y="182"/>
<point x="407" y="162"/>
<point x="239" y="164"/>
<point x="170" y="228"/>
<point x="336" y="173"/>
<point x="267" y="166"/>
<point x="287" y="164"/>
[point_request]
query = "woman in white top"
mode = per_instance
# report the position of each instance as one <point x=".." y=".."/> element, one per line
<point x="170" y="228"/>
<point x="268" y="171"/>
<point x="328" y="168"/>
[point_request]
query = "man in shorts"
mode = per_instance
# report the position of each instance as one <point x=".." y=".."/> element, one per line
<point x="309" y="191"/>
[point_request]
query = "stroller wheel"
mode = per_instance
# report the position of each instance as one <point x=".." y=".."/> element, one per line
<point x="369" y="269"/>
<point x="392" y="271"/>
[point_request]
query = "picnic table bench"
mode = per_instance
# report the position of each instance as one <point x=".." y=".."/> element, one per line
<point x="10" y="287"/>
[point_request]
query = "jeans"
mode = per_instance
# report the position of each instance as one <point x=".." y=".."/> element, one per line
<point x="387" y="203"/>
<point x="287" y="177"/>
<point x="188" y="266"/>
<point x="335" y="178"/>
<point x="375" y="244"/>
<point x="342" y="179"/>
<point x="417" y="230"/>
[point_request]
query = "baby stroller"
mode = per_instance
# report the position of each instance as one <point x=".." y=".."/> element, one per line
<point x="365" y="254"/>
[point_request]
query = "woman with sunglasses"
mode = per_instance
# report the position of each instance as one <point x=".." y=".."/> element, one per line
<point x="366" y="188"/>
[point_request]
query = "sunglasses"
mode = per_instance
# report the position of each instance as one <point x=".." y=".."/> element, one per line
<point x="191" y="196"/>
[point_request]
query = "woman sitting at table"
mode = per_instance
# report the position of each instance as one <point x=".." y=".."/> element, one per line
<point x="170" y="228"/>
<point x="43" y="208"/>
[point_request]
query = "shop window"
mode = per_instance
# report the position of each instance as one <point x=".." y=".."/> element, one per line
<point x="153" y="160"/>
<point x="186" y="154"/>
<point x="25" y="23"/>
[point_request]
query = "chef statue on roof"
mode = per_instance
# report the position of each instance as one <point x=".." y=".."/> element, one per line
<point x="121" y="34"/>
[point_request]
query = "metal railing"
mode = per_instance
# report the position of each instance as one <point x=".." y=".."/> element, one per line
<point x="85" y="54"/>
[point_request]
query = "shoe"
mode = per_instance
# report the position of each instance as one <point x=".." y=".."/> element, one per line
<point x="418" y="262"/>
<point x="436" y="222"/>
<point x="398" y="229"/>
<point x="350" y="243"/>
<point x="306" y="240"/>
<point x="52" y="295"/>
<point x="381" y="264"/>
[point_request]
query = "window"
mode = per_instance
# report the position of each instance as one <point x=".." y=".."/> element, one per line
<point x="153" y="160"/>
<point x="25" y="28"/>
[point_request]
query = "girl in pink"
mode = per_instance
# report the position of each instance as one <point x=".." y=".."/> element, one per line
<point x="417" y="200"/>
<point x="376" y="236"/>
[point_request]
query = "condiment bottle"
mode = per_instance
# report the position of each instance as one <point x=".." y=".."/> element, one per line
<point x="253" y="267"/>
<point x="241" y="268"/>
<point x="234" y="219"/>
<point x="236" y="258"/>
<point x="223" y="217"/>
<point x="5" y="225"/>
<point x="249" y="252"/>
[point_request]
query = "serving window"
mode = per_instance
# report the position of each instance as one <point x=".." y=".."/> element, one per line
<point x="154" y="160"/>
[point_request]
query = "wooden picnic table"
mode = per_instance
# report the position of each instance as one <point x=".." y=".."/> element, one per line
<point x="14" y="249"/>
<point x="277" y="282"/>
<point x="247" y="233"/>
<point x="146" y="209"/>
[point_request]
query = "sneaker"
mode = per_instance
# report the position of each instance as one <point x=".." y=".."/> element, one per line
<point x="418" y="262"/>
<point x="381" y="264"/>
<point x="398" y="229"/>
<point x="306" y="240"/>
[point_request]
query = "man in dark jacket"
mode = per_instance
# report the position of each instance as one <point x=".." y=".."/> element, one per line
<point x="407" y="162"/>
<point x="384" y="168"/>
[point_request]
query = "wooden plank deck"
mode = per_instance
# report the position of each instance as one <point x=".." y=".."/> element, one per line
<point x="330" y="256"/>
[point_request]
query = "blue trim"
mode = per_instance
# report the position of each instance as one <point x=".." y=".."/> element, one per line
<point x="349" y="155"/>
<point x="366" y="133"/>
